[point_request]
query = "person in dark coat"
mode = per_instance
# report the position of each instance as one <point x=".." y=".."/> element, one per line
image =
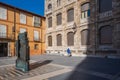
<point x="69" y="52"/>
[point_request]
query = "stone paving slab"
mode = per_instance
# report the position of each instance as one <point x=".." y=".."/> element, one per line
<point x="48" y="75"/>
<point x="10" y="73"/>
<point x="76" y="76"/>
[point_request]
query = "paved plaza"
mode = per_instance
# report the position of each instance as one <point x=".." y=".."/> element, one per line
<point x="54" y="67"/>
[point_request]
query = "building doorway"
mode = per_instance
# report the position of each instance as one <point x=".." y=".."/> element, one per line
<point x="3" y="49"/>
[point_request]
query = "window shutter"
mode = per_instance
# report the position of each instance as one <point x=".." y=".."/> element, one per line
<point x="70" y="39"/>
<point x="85" y="37"/>
<point x="70" y="15"/>
<point x="50" y="22"/>
<point x="49" y="40"/>
<point x="59" y="40"/>
<point x="106" y="35"/>
<point x="59" y="19"/>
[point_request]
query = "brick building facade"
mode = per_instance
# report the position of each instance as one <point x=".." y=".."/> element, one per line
<point x="14" y="21"/>
<point x="84" y="26"/>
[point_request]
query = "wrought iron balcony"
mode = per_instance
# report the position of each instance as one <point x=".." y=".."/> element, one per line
<point x="6" y="36"/>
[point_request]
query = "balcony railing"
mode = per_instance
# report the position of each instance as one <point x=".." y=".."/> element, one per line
<point x="6" y="36"/>
<point x="105" y="14"/>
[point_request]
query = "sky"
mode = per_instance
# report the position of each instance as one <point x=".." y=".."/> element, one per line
<point x="34" y="6"/>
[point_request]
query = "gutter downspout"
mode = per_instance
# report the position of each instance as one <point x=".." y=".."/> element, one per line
<point x="14" y="30"/>
<point x="96" y="22"/>
<point x="41" y="39"/>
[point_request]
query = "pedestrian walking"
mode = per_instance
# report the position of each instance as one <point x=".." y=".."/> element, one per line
<point x="69" y="52"/>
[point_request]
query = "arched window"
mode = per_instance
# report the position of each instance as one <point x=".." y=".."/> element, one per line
<point x="49" y="40"/>
<point x="70" y="39"/>
<point x="85" y="36"/>
<point x="59" y="40"/>
<point x="85" y="10"/>
<point x="105" y="35"/>
<point x="49" y="6"/>
<point x="70" y="15"/>
<point x="59" y="19"/>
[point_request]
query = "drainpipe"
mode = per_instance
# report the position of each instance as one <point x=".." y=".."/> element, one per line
<point x="96" y="21"/>
<point x="14" y="30"/>
<point x="41" y="36"/>
<point x="41" y="39"/>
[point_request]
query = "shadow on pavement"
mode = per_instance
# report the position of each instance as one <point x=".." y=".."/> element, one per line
<point x="39" y="63"/>
<point x="86" y="70"/>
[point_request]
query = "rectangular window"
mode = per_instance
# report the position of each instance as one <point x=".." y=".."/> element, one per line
<point x="36" y="35"/>
<point x="3" y="33"/>
<point x="37" y="21"/>
<point x="59" y="19"/>
<point x="49" y="41"/>
<point x="3" y="13"/>
<point x="85" y="10"/>
<point x="49" y="22"/>
<point x="22" y="30"/>
<point x="36" y="46"/>
<point x="70" y="39"/>
<point x="70" y="15"/>
<point x="105" y="5"/>
<point x="22" y="18"/>
<point x="85" y="36"/>
<point x="106" y="33"/>
<point x="58" y="2"/>
<point x="59" y="40"/>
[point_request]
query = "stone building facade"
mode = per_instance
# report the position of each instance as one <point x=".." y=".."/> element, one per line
<point x="84" y="26"/>
<point x="14" y="21"/>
